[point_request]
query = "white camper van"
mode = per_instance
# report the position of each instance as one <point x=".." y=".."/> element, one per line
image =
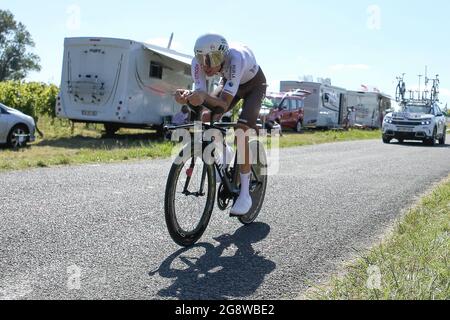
<point x="120" y="83"/>
<point x="369" y="108"/>
<point x="324" y="108"/>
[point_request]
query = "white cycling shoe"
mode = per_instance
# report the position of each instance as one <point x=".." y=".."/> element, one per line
<point x="242" y="206"/>
<point x="244" y="203"/>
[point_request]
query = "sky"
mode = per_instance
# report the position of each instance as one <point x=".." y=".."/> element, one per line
<point x="353" y="42"/>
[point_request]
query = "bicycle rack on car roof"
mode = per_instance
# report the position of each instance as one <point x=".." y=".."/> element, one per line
<point x="423" y="96"/>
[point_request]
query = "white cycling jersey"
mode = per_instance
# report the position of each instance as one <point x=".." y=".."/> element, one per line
<point x="239" y="68"/>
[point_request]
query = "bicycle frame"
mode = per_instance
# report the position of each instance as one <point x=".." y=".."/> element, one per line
<point x="231" y="187"/>
<point x="221" y="169"/>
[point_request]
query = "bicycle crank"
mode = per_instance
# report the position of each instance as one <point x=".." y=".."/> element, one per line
<point x="224" y="198"/>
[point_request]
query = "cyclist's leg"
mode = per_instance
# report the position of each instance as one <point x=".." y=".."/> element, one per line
<point x="253" y="95"/>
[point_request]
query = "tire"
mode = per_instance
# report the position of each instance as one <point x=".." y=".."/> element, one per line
<point x="111" y="129"/>
<point x="443" y="138"/>
<point x="14" y="142"/>
<point x="160" y="133"/>
<point x="386" y="140"/>
<point x="176" y="208"/>
<point x="257" y="190"/>
<point x="299" y="127"/>
<point x="432" y="141"/>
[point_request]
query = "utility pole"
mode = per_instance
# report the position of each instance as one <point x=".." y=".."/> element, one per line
<point x="420" y="78"/>
<point x="426" y="84"/>
<point x="170" y="41"/>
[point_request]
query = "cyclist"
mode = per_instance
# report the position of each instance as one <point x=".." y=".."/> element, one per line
<point x="241" y="78"/>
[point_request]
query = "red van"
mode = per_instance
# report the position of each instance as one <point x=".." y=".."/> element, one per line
<point x="290" y="112"/>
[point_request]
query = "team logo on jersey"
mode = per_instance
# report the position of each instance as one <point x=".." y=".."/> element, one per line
<point x="233" y="71"/>
<point x="231" y="84"/>
<point x="197" y="70"/>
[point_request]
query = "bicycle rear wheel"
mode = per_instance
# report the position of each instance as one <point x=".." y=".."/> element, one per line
<point x="258" y="184"/>
<point x="189" y="199"/>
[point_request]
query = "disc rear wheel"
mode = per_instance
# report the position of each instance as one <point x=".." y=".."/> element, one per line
<point x="258" y="184"/>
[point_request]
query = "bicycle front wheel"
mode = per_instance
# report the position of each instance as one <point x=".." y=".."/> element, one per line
<point x="189" y="200"/>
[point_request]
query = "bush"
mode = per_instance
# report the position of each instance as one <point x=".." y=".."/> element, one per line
<point x="33" y="98"/>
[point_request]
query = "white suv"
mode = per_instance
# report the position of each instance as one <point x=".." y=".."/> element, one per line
<point x="417" y="121"/>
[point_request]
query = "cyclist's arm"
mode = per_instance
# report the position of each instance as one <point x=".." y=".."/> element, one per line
<point x="230" y="88"/>
<point x="201" y="97"/>
<point x="183" y="96"/>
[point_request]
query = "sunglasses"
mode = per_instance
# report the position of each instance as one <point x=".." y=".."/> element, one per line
<point x="211" y="60"/>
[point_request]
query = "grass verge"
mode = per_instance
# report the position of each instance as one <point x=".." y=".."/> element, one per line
<point x="85" y="144"/>
<point x="413" y="264"/>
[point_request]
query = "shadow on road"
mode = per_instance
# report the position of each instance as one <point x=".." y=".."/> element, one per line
<point x="230" y="270"/>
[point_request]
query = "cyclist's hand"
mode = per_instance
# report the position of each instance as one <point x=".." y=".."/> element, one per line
<point x="181" y="96"/>
<point x="197" y="98"/>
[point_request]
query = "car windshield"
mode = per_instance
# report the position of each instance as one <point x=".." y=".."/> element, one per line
<point x="271" y="102"/>
<point x="418" y="109"/>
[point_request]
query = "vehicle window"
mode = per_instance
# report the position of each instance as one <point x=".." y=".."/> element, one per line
<point x="419" y="109"/>
<point x="330" y="99"/>
<point x="285" y="104"/>
<point x="438" y="110"/>
<point x="271" y="102"/>
<point x="294" y="104"/>
<point x="156" y="70"/>
<point x="300" y="104"/>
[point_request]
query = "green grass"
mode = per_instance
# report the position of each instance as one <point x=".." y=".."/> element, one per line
<point x="85" y="144"/>
<point x="413" y="264"/>
<point x="319" y="137"/>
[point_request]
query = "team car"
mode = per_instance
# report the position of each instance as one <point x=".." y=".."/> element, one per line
<point x="16" y="128"/>
<point x="417" y="121"/>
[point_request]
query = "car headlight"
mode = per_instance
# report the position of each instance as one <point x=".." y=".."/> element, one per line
<point x="388" y="120"/>
<point x="426" y="122"/>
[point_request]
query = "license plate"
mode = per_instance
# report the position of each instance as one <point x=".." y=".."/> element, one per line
<point x="89" y="113"/>
<point x="405" y="129"/>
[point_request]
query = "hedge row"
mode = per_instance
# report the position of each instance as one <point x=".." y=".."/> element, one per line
<point x="32" y="98"/>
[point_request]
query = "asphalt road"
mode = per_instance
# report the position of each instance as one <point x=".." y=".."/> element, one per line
<point x="98" y="231"/>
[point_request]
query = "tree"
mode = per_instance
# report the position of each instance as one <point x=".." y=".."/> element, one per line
<point x="15" y="61"/>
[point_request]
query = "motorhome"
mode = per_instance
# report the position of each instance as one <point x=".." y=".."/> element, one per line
<point x="368" y="108"/>
<point x="121" y="83"/>
<point x="324" y="107"/>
